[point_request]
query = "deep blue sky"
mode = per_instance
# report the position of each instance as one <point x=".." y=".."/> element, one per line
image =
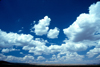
<point x="15" y="14"/>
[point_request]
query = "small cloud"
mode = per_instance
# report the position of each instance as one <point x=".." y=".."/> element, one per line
<point x="42" y="27"/>
<point x="20" y="31"/>
<point x="21" y="52"/>
<point x="34" y="22"/>
<point x="40" y="58"/>
<point x="53" y="33"/>
<point x="9" y="50"/>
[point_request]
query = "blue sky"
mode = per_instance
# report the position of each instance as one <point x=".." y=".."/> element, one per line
<point x="50" y="31"/>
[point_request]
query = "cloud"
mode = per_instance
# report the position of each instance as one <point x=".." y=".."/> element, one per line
<point x="37" y="47"/>
<point x="26" y="41"/>
<point x="67" y="57"/>
<point x="93" y="52"/>
<point x="11" y="39"/>
<point x="42" y="27"/>
<point x="2" y="57"/>
<point x="40" y="58"/>
<point x="83" y="33"/>
<point x="21" y="52"/>
<point x="20" y="31"/>
<point x="53" y="33"/>
<point x="98" y="56"/>
<point x="85" y="26"/>
<point x="26" y="58"/>
<point x="9" y="50"/>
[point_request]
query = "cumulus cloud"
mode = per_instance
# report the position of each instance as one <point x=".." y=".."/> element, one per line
<point x="67" y="56"/>
<point x="53" y="33"/>
<point x="42" y="27"/>
<point x="9" y="50"/>
<point x="40" y="58"/>
<point x="85" y="26"/>
<point x="26" y="58"/>
<point x="93" y="52"/>
<point x="10" y="39"/>
<point x="26" y="41"/>
<point x="83" y="33"/>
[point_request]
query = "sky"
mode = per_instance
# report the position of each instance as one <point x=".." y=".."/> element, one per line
<point x="50" y="31"/>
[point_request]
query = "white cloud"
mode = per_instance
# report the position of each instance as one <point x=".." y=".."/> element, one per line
<point x="9" y="50"/>
<point x="13" y="58"/>
<point x="34" y="22"/>
<point x="53" y="33"/>
<point x="67" y="57"/>
<point x="10" y="39"/>
<point x="98" y="56"/>
<point x="93" y="52"/>
<point x="26" y="58"/>
<point x="40" y="58"/>
<point x="39" y="50"/>
<point x="80" y="34"/>
<point x="85" y="26"/>
<point x="42" y="27"/>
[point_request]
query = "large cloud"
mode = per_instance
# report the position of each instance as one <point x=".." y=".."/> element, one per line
<point x="42" y="27"/>
<point x="53" y="33"/>
<point x="85" y="26"/>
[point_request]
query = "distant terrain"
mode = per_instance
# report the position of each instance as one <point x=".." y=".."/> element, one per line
<point x="5" y="63"/>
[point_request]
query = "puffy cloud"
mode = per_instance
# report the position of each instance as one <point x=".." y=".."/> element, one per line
<point x="40" y="58"/>
<point x="94" y="9"/>
<point x="26" y="58"/>
<point x="53" y="33"/>
<point x="36" y="46"/>
<point x="85" y="26"/>
<point x="67" y="56"/>
<point x="39" y="50"/>
<point x="10" y="39"/>
<point x="93" y="52"/>
<point x="42" y="27"/>
<point x="13" y="58"/>
<point x="71" y="46"/>
<point x="9" y="50"/>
